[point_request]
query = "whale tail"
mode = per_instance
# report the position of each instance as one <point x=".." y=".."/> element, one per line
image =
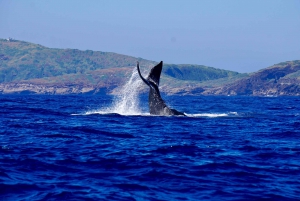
<point x="154" y="75"/>
<point x="157" y="105"/>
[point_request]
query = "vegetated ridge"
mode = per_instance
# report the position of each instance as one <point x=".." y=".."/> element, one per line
<point x="281" y="79"/>
<point x="31" y="68"/>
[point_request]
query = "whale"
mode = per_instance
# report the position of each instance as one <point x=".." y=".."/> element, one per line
<point x="157" y="105"/>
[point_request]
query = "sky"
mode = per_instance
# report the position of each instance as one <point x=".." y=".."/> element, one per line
<point x="237" y="35"/>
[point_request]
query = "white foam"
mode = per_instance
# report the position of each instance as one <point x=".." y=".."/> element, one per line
<point x="208" y="115"/>
<point x="109" y="111"/>
<point x="214" y="115"/>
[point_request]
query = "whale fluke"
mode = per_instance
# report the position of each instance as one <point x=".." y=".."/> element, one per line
<point x="157" y="105"/>
<point x="155" y="72"/>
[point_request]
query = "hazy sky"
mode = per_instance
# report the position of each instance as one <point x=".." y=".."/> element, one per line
<point x="239" y="35"/>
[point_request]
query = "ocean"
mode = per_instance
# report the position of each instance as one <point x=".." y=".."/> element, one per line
<point x="102" y="147"/>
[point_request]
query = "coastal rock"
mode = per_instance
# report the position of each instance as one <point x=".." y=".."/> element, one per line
<point x="28" y="88"/>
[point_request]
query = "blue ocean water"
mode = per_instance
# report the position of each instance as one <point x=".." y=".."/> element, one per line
<point x="82" y="148"/>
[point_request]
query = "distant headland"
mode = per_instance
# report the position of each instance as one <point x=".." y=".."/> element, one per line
<point x="27" y="68"/>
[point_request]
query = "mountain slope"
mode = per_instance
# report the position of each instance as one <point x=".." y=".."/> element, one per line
<point x="30" y="67"/>
<point x="21" y="60"/>
<point x="279" y="79"/>
<point x="196" y="72"/>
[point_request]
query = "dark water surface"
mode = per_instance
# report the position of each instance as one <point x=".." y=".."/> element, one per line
<point x="228" y="148"/>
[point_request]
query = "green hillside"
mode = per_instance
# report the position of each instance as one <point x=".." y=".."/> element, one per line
<point x="32" y="68"/>
<point x="21" y="60"/>
<point x="281" y="79"/>
<point x="29" y="66"/>
<point x="196" y="72"/>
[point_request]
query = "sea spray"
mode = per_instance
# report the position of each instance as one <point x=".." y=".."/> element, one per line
<point x="126" y="101"/>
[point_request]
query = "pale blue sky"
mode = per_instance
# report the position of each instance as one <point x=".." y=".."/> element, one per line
<point x="238" y="35"/>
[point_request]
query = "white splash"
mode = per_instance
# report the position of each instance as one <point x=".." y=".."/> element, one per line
<point x="126" y="102"/>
